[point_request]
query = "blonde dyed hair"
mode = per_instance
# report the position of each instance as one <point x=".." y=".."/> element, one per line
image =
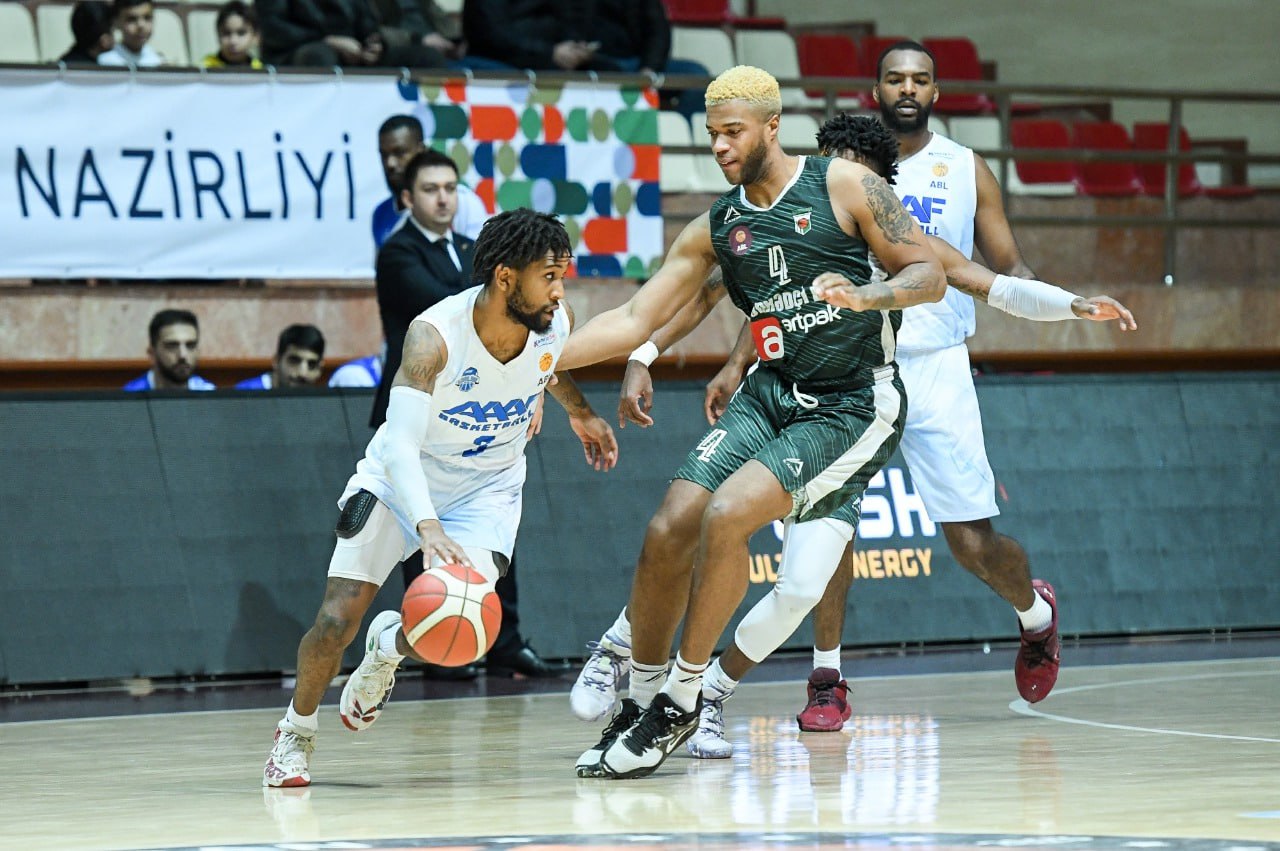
<point x="747" y="83"/>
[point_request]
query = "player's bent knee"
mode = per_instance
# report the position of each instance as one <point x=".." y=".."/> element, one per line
<point x="335" y="629"/>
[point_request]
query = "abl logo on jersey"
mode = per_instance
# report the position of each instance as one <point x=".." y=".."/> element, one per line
<point x="470" y="378"/>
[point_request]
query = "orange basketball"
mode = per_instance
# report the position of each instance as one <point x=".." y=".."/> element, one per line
<point x="451" y="615"/>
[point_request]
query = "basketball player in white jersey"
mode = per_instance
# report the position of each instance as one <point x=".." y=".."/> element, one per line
<point x="444" y="473"/>
<point x="806" y="570"/>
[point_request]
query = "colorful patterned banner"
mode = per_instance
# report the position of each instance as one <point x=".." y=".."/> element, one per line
<point x="585" y="152"/>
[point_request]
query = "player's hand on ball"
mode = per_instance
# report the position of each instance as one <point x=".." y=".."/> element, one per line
<point x="834" y="288"/>
<point x="435" y="543"/>
<point x="599" y="446"/>
<point x="637" y="396"/>
<point x="1101" y="308"/>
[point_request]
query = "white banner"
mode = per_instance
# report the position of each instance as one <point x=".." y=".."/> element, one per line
<point x="109" y="175"/>
<point x="157" y="176"/>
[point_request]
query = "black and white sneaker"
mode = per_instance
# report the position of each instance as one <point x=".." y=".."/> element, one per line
<point x="662" y="728"/>
<point x="628" y="714"/>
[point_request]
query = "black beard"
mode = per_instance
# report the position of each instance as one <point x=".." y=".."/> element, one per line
<point x="890" y="118"/>
<point x="172" y="376"/>
<point x="754" y="167"/>
<point x="534" y="320"/>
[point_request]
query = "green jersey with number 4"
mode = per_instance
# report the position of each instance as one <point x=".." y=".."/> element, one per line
<point x="770" y="258"/>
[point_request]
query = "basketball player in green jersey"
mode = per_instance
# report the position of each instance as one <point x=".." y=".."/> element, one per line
<point x="810" y="426"/>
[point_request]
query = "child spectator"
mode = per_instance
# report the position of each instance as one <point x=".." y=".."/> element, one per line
<point x="93" y="32"/>
<point x="134" y="20"/>
<point x="237" y="38"/>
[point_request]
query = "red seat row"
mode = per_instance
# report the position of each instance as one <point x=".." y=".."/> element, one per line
<point x="1113" y="179"/>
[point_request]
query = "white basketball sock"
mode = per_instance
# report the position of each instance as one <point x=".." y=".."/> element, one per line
<point x="684" y="684"/>
<point x="387" y="644"/>
<point x="1038" y="617"/>
<point x="716" y="684"/>
<point x="645" y="682"/>
<point x="827" y="658"/>
<point x="306" y="722"/>
<point x="619" y="635"/>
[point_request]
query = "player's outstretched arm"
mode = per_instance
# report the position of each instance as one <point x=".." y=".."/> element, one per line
<point x="725" y="382"/>
<point x="1029" y="299"/>
<point x="617" y="332"/>
<point x="408" y="415"/>
<point x="864" y="200"/>
<point x="636" y="398"/>
<point x="599" y="446"/>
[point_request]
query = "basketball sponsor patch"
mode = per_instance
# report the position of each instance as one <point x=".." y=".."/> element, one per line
<point x="740" y="239"/>
<point x="767" y="335"/>
<point x="803" y="221"/>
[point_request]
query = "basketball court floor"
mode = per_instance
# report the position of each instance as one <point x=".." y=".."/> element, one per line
<point x="1145" y="744"/>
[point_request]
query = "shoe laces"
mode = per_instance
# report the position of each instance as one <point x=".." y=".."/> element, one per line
<point x="377" y="677"/>
<point x="626" y="716"/>
<point x="603" y="669"/>
<point x="1036" y="652"/>
<point x="711" y="719"/>
<point x="824" y="694"/>
<point x="655" y="723"/>
<point x="290" y="745"/>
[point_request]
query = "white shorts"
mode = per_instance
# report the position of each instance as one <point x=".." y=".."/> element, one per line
<point x="942" y="441"/>
<point x="479" y="512"/>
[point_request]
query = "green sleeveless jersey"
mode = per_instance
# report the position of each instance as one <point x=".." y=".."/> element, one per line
<point x="770" y="258"/>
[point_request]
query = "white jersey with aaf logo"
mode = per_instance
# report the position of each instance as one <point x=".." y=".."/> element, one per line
<point x="938" y="188"/>
<point x="480" y="411"/>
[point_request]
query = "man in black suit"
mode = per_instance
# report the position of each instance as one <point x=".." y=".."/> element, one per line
<point x="420" y="264"/>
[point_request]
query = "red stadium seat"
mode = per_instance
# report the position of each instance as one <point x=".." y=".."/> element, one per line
<point x="957" y="59"/>
<point x="829" y="56"/>
<point x="1042" y="134"/>
<point x="1107" y="179"/>
<point x="697" y="12"/>
<point x="1154" y="137"/>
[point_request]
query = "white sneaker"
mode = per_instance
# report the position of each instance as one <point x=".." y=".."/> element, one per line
<point x="369" y="687"/>
<point x="596" y="690"/>
<point x="708" y="741"/>
<point x="289" y="763"/>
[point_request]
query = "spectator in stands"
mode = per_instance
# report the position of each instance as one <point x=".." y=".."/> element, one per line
<point x="576" y="35"/>
<point x="175" y="337"/>
<point x="134" y="20"/>
<point x="361" y="372"/>
<point x="423" y="262"/>
<point x="422" y="22"/>
<point x="400" y="139"/>
<point x="94" y="32"/>
<point x="298" y="362"/>
<point x="237" y="25"/>
<point x="325" y="33"/>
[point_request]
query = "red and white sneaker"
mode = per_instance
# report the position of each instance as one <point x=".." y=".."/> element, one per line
<point x="1036" y="669"/>
<point x="369" y="687"/>
<point x="289" y="763"/>
<point x="828" y="706"/>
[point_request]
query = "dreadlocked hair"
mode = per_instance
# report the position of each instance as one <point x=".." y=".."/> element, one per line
<point x="862" y="136"/>
<point x="515" y="239"/>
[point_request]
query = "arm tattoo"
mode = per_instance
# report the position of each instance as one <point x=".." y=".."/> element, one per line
<point x="423" y="359"/>
<point x="570" y="397"/>
<point x="887" y="210"/>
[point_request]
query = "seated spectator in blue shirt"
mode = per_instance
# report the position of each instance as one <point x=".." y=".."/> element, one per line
<point x="361" y="372"/>
<point x="175" y="336"/>
<point x="400" y="138"/>
<point x="298" y="362"/>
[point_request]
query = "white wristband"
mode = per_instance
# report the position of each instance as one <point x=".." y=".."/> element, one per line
<point x="408" y="415"/>
<point x="1029" y="299"/>
<point x="647" y="353"/>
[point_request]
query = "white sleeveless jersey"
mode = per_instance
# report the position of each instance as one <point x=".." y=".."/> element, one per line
<point x="480" y="409"/>
<point x="938" y="188"/>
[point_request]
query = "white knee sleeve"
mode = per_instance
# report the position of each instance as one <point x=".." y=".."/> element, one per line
<point x="810" y="555"/>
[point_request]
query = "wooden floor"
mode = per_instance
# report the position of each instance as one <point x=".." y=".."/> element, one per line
<point x="1181" y="755"/>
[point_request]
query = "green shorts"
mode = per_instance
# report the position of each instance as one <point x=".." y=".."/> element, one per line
<point x="823" y="455"/>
